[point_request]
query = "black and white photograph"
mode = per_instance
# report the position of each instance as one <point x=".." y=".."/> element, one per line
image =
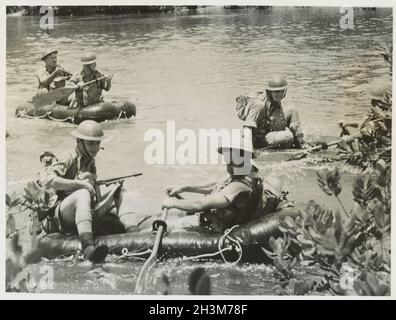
<point x="208" y="150"/>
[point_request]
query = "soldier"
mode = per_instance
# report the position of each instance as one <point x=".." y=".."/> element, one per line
<point x="93" y="93"/>
<point x="73" y="178"/>
<point x="269" y="124"/>
<point x="223" y="203"/>
<point x="377" y="124"/>
<point x="47" y="74"/>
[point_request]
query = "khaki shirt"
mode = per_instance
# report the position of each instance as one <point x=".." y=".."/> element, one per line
<point x="42" y="74"/>
<point x="243" y="198"/>
<point x="68" y="167"/>
<point x="262" y="116"/>
<point x="91" y="94"/>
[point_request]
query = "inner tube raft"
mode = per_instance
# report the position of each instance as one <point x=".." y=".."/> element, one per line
<point x="246" y="241"/>
<point x="98" y="112"/>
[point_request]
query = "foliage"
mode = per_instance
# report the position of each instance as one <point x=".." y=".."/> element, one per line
<point x="345" y="254"/>
<point x="34" y="200"/>
<point x="199" y="282"/>
<point x="332" y="245"/>
<point x="375" y="143"/>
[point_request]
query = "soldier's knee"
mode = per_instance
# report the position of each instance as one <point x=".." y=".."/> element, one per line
<point x="280" y="139"/>
<point x="42" y="91"/>
<point x="82" y="195"/>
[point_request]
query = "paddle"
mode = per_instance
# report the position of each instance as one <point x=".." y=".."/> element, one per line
<point x="322" y="146"/>
<point x="293" y="154"/>
<point x="153" y="257"/>
<point x="59" y="93"/>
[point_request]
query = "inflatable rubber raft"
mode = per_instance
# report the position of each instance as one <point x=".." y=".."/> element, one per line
<point x="244" y="242"/>
<point x="97" y="112"/>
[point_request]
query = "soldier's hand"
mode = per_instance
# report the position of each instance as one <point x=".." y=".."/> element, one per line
<point x="172" y="190"/>
<point x="80" y="85"/>
<point x="85" y="184"/>
<point x="108" y="78"/>
<point x="168" y="203"/>
<point x="59" y="72"/>
<point x="87" y="176"/>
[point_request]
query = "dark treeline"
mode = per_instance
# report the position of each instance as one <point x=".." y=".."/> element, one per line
<point x="92" y="10"/>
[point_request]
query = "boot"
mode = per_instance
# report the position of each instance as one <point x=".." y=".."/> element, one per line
<point x="91" y="251"/>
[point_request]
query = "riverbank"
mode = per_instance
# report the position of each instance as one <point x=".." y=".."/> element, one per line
<point x="137" y="10"/>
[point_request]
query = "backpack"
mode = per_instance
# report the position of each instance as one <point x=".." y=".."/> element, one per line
<point x="270" y="190"/>
<point x="243" y="100"/>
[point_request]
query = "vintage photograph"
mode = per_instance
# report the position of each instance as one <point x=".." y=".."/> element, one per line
<point x="198" y="150"/>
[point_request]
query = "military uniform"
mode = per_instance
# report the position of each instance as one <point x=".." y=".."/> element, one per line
<point x="70" y="166"/>
<point x="42" y="74"/>
<point x="269" y="122"/>
<point x="90" y="94"/>
<point x="243" y="195"/>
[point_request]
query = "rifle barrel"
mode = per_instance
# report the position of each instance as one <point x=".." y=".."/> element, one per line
<point x="118" y="178"/>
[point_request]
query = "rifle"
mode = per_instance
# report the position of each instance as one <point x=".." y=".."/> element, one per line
<point x="110" y="181"/>
<point x="60" y="93"/>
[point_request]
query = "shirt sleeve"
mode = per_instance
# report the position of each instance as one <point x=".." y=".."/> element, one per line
<point x="237" y="194"/>
<point x="103" y="81"/>
<point x="253" y="110"/>
<point x="58" y="169"/>
<point x="76" y="78"/>
<point x="41" y="75"/>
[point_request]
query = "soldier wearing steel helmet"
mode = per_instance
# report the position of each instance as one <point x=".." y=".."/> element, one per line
<point x="271" y="125"/>
<point x="91" y="94"/>
<point x="73" y="178"/>
<point x="377" y="124"/>
<point x="46" y="75"/>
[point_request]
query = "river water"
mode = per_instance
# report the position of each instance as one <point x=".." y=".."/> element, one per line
<point x="189" y="69"/>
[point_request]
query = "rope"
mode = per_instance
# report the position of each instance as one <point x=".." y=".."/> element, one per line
<point x="238" y="247"/>
<point x="126" y="254"/>
<point x="236" y="244"/>
<point x="120" y="115"/>
<point x="44" y="115"/>
<point x="208" y="255"/>
<point x="60" y="120"/>
<point x="23" y="114"/>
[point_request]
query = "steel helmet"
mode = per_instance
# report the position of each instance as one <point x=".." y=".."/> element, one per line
<point x="378" y="89"/>
<point x="47" y="53"/>
<point x="245" y="147"/>
<point x="276" y="83"/>
<point x="89" y="130"/>
<point x="88" y="58"/>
